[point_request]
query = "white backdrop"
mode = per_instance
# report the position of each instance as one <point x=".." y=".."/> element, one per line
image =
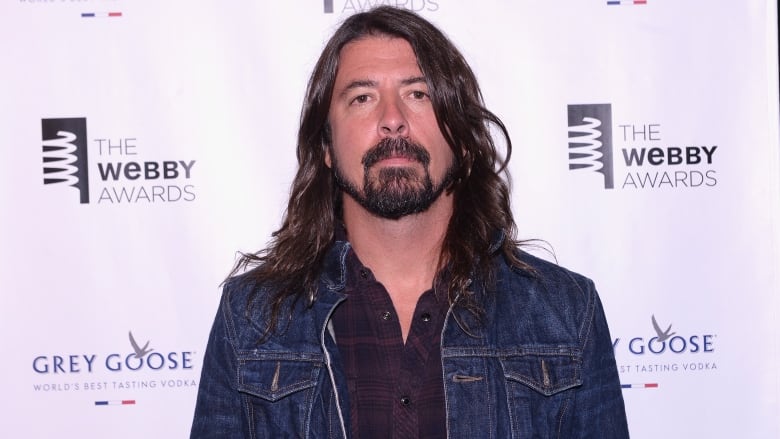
<point x="190" y="112"/>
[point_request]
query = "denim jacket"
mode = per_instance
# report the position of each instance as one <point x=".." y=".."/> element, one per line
<point x="538" y="364"/>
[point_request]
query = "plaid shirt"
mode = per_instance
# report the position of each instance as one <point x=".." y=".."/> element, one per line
<point x="395" y="389"/>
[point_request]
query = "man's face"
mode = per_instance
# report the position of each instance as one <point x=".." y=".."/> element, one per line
<point x="387" y="151"/>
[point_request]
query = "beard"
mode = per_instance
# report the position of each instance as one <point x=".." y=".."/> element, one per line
<point x="397" y="191"/>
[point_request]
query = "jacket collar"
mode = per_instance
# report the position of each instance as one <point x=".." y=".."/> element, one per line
<point x="334" y="266"/>
<point x="497" y="241"/>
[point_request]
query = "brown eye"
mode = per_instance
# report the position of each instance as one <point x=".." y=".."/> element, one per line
<point x="362" y="99"/>
<point x="419" y="94"/>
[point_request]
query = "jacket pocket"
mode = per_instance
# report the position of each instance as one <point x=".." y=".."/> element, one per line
<point x="546" y="374"/>
<point x="273" y="380"/>
<point x="539" y="391"/>
<point x="279" y="395"/>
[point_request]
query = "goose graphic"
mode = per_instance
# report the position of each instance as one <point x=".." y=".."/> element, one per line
<point x="139" y="352"/>
<point x="662" y="335"/>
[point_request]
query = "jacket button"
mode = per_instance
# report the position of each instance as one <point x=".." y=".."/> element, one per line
<point x="426" y="317"/>
<point x="363" y="273"/>
<point x="405" y="400"/>
<point x="386" y="315"/>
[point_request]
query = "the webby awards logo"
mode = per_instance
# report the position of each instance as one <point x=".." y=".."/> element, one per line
<point x="119" y="173"/>
<point x="590" y="140"/>
<point x="633" y="155"/>
<point x="65" y="154"/>
<point x="355" y="6"/>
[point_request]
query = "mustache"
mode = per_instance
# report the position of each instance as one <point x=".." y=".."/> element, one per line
<point x="395" y="147"/>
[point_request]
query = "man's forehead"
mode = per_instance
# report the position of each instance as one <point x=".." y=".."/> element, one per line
<point x="368" y="58"/>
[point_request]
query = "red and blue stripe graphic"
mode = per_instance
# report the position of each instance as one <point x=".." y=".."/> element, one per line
<point x="640" y="386"/>
<point x="626" y="2"/>
<point x="100" y="14"/>
<point x="119" y="402"/>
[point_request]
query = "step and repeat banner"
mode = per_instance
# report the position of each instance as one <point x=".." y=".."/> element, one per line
<point x="145" y="143"/>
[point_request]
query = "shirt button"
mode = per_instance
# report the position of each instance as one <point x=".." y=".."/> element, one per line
<point x="386" y="315"/>
<point x="426" y="317"/>
<point x="363" y="273"/>
<point x="405" y="400"/>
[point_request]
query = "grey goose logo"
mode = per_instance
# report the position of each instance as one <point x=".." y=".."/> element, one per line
<point x="662" y="335"/>
<point x="667" y="341"/>
<point x="590" y="140"/>
<point x="64" y="145"/>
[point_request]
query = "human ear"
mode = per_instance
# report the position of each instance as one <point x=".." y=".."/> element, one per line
<point x="326" y="145"/>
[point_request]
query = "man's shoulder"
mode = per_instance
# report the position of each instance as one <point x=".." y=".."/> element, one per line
<point x="242" y="287"/>
<point x="545" y="287"/>
<point x="543" y="271"/>
<point x="240" y="298"/>
<point x="539" y="300"/>
<point x="249" y="304"/>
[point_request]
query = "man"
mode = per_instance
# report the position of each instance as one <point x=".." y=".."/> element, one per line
<point x="393" y="301"/>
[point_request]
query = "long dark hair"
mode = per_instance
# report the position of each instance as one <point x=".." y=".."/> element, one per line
<point x="291" y="264"/>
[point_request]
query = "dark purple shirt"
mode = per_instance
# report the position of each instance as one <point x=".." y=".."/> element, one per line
<point x="396" y="390"/>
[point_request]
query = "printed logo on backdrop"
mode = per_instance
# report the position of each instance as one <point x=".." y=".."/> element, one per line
<point x="665" y="348"/>
<point x="65" y="154"/>
<point x="135" y="366"/>
<point x="634" y="156"/>
<point x="90" y="9"/>
<point x="590" y="140"/>
<point x="121" y="174"/>
<point x="626" y="2"/>
<point x="355" y="6"/>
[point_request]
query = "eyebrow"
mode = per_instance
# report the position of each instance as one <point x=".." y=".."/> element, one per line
<point x="368" y="83"/>
<point x="414" y="80"/>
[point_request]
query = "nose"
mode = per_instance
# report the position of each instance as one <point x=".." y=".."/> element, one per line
<point x="392" y="121"/>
